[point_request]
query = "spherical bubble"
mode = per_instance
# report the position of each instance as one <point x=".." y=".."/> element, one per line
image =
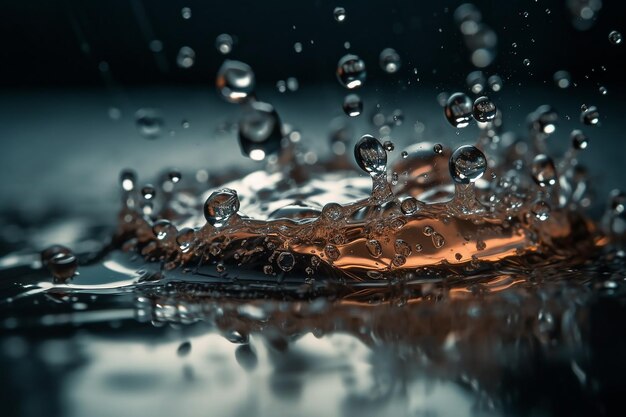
<point x="186" y="57"/>
<point x="340" y="14"/>
<point x="458" y="110"/>
<point x="484" y="109"/>
<point x="235" y="81"/>
<point x="260" y="131"/>
<point x="579" y="139"/>
<point x="352" y="105"/>
<point x="224" y="43"/>
<point x="389" y="60"/>
<point x="351" y="71"/>
<point x="467" y="164"/>
<point x="543" y="170"/>
<point x="590" y="116"/>
<point x="149" y="122"/>
<point x="370" y="155"/>
<point x="615" y="37"/>
<point x="220" y="206"/>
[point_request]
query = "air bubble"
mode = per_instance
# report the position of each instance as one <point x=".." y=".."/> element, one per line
<point x="467" y="164"/>
<point x="235" y="81"/>
<point x="224" y="43"/>
<point x="458" y="110"/>
<point x="352" y="105"/>
<point x="389" y="60"/>
<point x="221" y="206"/>
<point x="370" y="155"/>
<point x="543" y="170"/>
<point x="484" y="109"/>
<point x="351" y="71"/>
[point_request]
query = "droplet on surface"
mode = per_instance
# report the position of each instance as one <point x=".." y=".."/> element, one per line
<point x="224" y="43"/>
<point x="184" y="349"/>
<point x="374" y="248"/>
<point x="467" y="164"/>
<point x="331" y="252"/>
<point x="409" y="206"/>
<point x="590" y="116"/>
<point x="286" y="261"/>
<point x="51" y="251"/>
<point x="186" y="57"/>
<point x="543" y="170"/>
<point x="174" y="175"/>
<point x="458" y="110"/>
<point x="351" y="71"/>
<point x="370" y="155"/>
<point x="235" y="81"/>
<point x="389" y="60"/>
<point x="340" y="14"/>
<point x="352" y="105"/>
<point x="164" y="230"/>
<point x="484" y="109"/>
<point x="149" y="122"/>
<point x="615" y="37"/>
<point x="260" y="131"/>
<point x="63" y="266"/>
<point x="220" y="206"/>
<point x="185" y="239"/>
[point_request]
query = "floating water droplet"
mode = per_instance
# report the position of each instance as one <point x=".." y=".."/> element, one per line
<point x="174" y="175"/>
<point x="149" y="122"/>
<point x="352" y="105"/>
<point x="476" y="82"/>
<point x="164" y="230"/>
<point x="260" y="131"/>
<point x="148" y="192"/>
<point x="185" y="124"/>
<point x="458" y="110"/>
<point x="543" y="120"/>
<point x="543" y="170"/>
<point x="484" y="109"/>
<point x="292" y="84"/>
<point x="590" y="116"/>
<point x="438" y="148"/>
<point x="281" y="86"/>
<point x="340" y="14"/>
<point x="351" y="71"/>
<point x="495" y="83"/>
<point x="579" y="139"/>
<point x="404" y="154"/>
<point x="186" y="57"/>
<point x="224" y="43"/>
<point x="562" y="79"/>
<point x="526" y="62"/>
<point x="603" y="90"/>
<point x="389" y="146"/>
<point x="438" y="240"/>
<point x="398" y="260"/>
<point x="389" y="60"/>
<point x="220" y="206"/>
<point x="615" y="37"/>
<point x="374" y="248"/>
<point x="185" y="239"/>
<point x="541" y="210"/>
<point x="286" y="261"/>
<point x="235" y="81"/>
<point x="185" y="12"/>
<point x="128" y="180"/>
<point x="370" y="155"/>
<point x="467" y="164"/>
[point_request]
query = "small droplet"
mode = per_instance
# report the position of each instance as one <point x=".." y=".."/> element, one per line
<point x="292" y="84"/>
<point x="235" y="81"/>
<point x="402" y="248"/>
<point x="409" y="206"/>
<point x="590" y="116"/>
<point x="526" y="62"/>
<point x="467" y="164"/>
<point x="603" y="90"/>
<point x="484" y="109"/>
<point x="185" y="12"/>
<point x="438" y="148"/>
<point x="184" y="349"/>
<point x="260" y="131"/>
<point x="331" y="252"/>
<point x="149" y="122"/>
<point x="370" y="155"/>
<point x="458" y="110"/>
<point x="185" y="124"/>
<point x="220" y="206"/>
<point x="389" y="146"/>
<point x="352" y="105"/>
<point x="297" y="47"/>
<point x="224" y="43"/>
<point x="164" y="229"/>
<point x="148" y="192"/>
<point x="615" y="37"/>
<point x="562" y="79"/>
<point x="541" y="210"/>
<point x="543" y="170"/>
<point x="476" y="82"/>
<point x="495" y="83"/>
<point x="186" y="57"/>
<point x="128" y="180"/>
<point x="340" y="14"/>
<point x="398" y="260"/>
<point x="351" y="71"/>
<point x="374" y="248"/>
<point x="389" y="60"/>
<point x="174" y="175"/>
<point x="543" y="120"/>
<point x="185" y="239"/>
<point x="579" y="139"/>
<point x="286" y="261"/>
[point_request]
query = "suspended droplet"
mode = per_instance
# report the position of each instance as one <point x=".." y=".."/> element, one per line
<point x="51" y="251"/>
<point x="352" y="105"/>
<point x="174" y="175"/>
<point x="484" y="109"/>
<point x="149" y="122"/>
<point x="148" y="192"/>
<point x="543" y="170"/>
<point x="562" y="79"/>
<point x="186" y="57"/>
<point x="579" y="139"/>
<point x="374" y="248"/>
<point x="286" y="261"/>
<point x="389" y="60"/>
<point x="260" y="131"/>
<point x="476" y="82"/>
<point x="220" y="206"/>
<point x="292" y="84"/>
<point x="603" y="90"/>
<point x="185" y="12"/>
<point x="541" y="210"/>
<point x="467" y="164"/>
<point x="224" y="43"/>
<point x="185" y="239"/>
<point x="590" y="116"/>
<point x="389" y="146"/>
<point x="615" y="37"/>
<point x="370" y="155"/>
<point x="164" y="230"/>
<point x="438" y="148"/>
<point x="297" y="47"/>
<point x="526" y="62"/>
<point x="351" y="71"/>
<point x="128" y="180"/>
<point x="235" y="81"/>
<point x="340" y="14"/>
<point x="543" y="120"/>
<point x="458" y="110"/>
<point x="495" y="83"/>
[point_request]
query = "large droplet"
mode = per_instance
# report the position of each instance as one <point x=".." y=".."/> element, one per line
<point x="615" y="37"/>
<point x="352" y="105"/>
<point x="543" y="170"/>
<point x="467" y="164"/>
<point x="484" y="109"/>
<point x="351" y="71"/>
<point x="149" y="122"/>
<point x="220" y="206"/>
<point x="458" y="110"/>
<point x="389" y="60"/>
<point x="370" y="155"/>
<point x="260" y="131"/>
<point x="186" y="57"/>
<point x="235" y="81"/>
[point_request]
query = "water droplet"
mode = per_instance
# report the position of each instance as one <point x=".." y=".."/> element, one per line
<point x="185" y="12"/>
<point x="603" y="90"/>
<point x="351" y="71"/>
<point x="184" y="349"/>
<point x="292" y="84"/>
<point x="63" y="266"/>
<point x="389" y="146"/>
<point x="419" y="247"/>
<point x="409" y="206"/>
<point x="438" y="148"/>
<point x="332" y="212"/>
<point x="185" y="239"/>
<point x="51" y="251"/>
<point x="438" y="240"/>
<point x="235" y="81"/>
<point x="220" y="206"/>
<point x="404" y="154"/>
<point x="186" y="57"/>
<point x="340" y="14"/>
<point x="484" y="109"/>
<point x="615" y="37"/>
<point x="164" y="229"/>
<point x="224" y="43"/>
<point x="402" y="248"/>
<point x="495" y="83"/>
<point x="128" y="180"/>
<point x="562" y="79"/>
<point x="389" y="60"/>
<point x="543" y="119"/>
<point x="476" y="81"/>
<point x="297" y="47"/>
<point x="352" y="105"/>
<point x="590" y="116"/>
<point x="260" y="131"/>
<point x="286" y="261"/>
<point x="526" y="62"/>
<point x="149" y="122"/>
<point x="398" y="260"/>
<point x="331" y="252"/>
<point x="467" y="164"/>
<point x="543" y="170"/>
<point x="185" y="124"/>
<point x="370" y="155"/>
<point x="148" y="192"/>
<point x="174" y="175"/>
<point x="374" y="248"/>
<point x="541" y="210"/>
<point x="579" y="139"/>
<point x="458" y="110"/>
